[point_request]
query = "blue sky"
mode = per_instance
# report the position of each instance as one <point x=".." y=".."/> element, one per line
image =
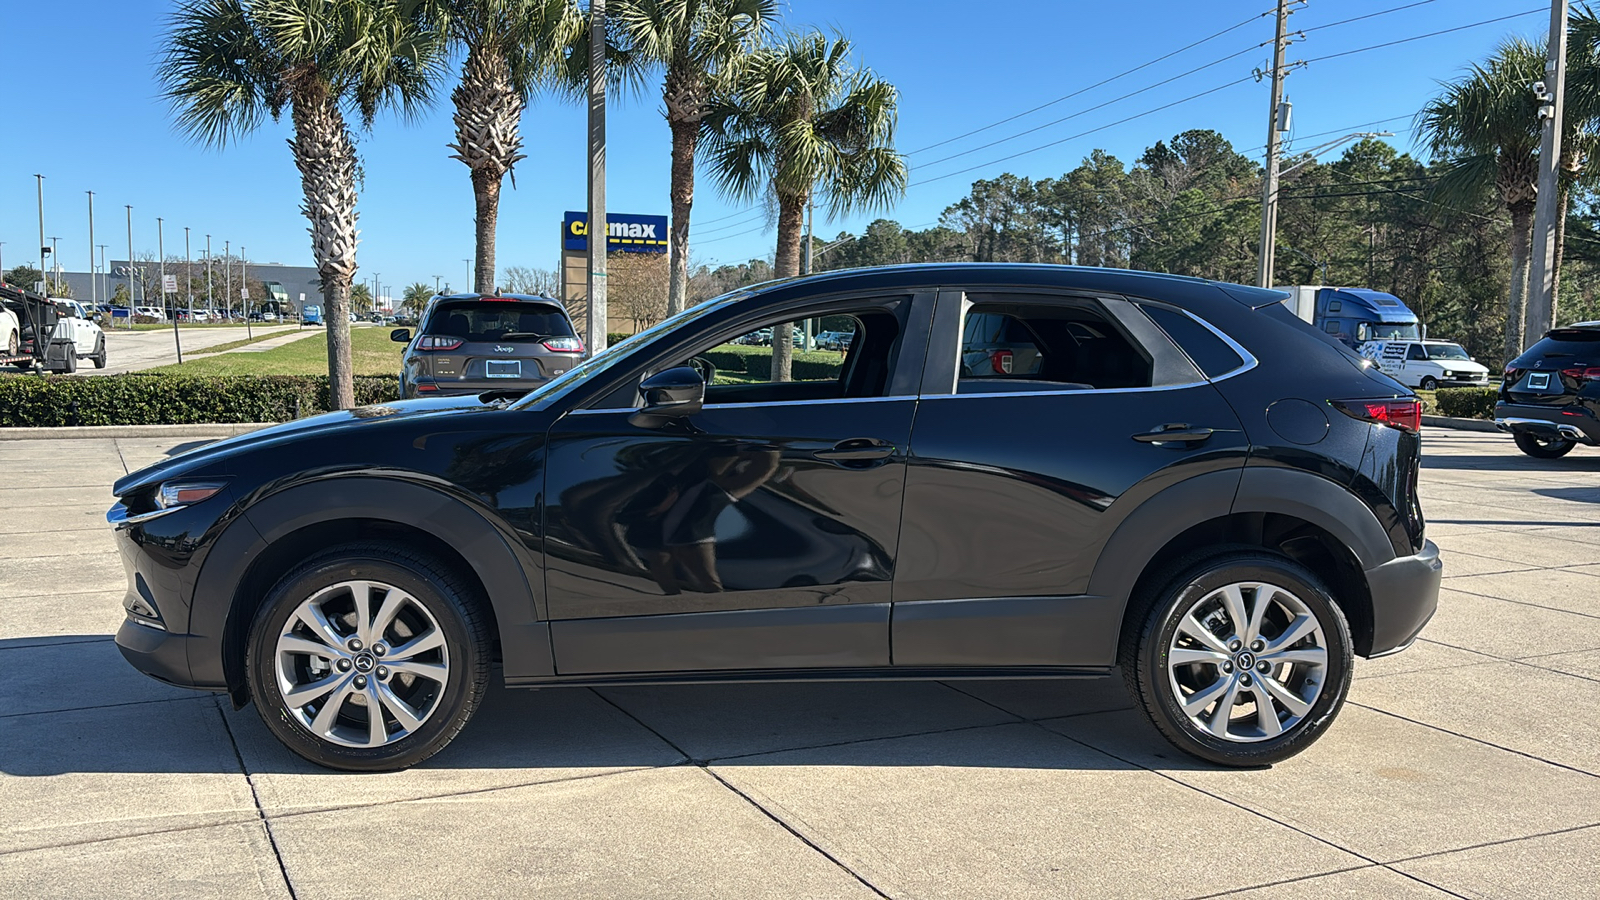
<point x="84" y="71"/>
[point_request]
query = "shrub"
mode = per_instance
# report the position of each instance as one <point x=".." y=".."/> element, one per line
<point x="142" y="399"/>
<point x="756" y="362"/>
<point x="1467" y="403"/>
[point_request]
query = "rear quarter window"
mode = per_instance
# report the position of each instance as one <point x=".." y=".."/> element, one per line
<point x="1214" y="357"/>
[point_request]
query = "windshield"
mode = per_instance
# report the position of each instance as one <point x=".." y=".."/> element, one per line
<point x="617" y="353"/>
<point x="1446" y="351"/>
<point x="1388" y="331"/>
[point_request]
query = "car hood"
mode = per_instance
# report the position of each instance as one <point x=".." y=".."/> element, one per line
<point x="376" y="415"/>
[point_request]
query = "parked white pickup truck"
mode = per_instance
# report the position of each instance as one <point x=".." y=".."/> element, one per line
<point x="86" y="336"/>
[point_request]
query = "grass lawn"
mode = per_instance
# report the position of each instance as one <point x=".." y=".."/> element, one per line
<point x="185" y="326"/>
<point x="370" y="350"/>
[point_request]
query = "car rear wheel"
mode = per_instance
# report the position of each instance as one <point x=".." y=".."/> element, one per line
<point x="1542" y="448"/>
<point x="99" y="358"/>
<point x="1242" y="660"/>
<point x="368" y="658"/>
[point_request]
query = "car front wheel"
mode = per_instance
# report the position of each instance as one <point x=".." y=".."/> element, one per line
<point x="368" y="658"/>
<point x="1429" y="383"/>
<point x="1542" y="448"/>
<point x="1242" y="660"/>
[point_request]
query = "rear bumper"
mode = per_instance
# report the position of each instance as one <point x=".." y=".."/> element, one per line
<point x="1405" y="593"/>
<point x="1557" y="422"/>
<point x="463" y="388"/>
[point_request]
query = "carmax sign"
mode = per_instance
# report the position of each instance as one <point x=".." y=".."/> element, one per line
<point x="635" y="234"/>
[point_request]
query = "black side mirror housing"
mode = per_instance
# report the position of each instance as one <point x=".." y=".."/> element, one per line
<point x="670" y="394"/>
<point x="400" y="335"/>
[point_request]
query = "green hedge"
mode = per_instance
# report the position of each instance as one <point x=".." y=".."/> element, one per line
<point x="138" y="399"/>
<point x="756" y="362"/>
<point x="1467" y="403"/>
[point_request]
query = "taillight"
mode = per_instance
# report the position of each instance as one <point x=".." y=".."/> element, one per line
<point x="427" y="387"/>
<point x="1002" y="362"/>
<point x="1583" y="373"/>
<point x="1405" y="415"/>
<point x="1512" y="375"/>
<point x="564" y="345"/>
<point x="438" y="342"/>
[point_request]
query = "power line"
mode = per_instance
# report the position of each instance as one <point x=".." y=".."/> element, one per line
<point x="1085" y="133"/>
<point x="1091" y="87"/>
<point x="1373" y="15"/>
<point x="736" y="224"/>
<point x="1428" y="35"/>
<point x="1095" y="107"/>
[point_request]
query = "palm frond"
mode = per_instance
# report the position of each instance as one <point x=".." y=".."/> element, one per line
<point x="217" y="74"/>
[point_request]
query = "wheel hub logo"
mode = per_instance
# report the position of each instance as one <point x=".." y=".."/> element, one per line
<point x="364" y="663"/>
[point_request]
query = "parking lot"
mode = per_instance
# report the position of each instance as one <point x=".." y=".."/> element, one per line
<point x="1468" y="765"/>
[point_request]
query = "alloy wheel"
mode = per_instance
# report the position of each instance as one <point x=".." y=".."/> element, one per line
<point x="1247" y="662"/>
<point x="362" y="664"/>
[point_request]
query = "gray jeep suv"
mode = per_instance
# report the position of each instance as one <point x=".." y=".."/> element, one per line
<point x="471" y="343"/>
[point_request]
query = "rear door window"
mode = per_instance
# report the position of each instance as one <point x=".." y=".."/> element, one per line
<point x="498" y="320"/>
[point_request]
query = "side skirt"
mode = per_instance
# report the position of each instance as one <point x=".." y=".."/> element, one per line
<point x="747" y="676"/>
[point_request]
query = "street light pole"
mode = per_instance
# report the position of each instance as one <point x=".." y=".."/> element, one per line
<point x="105" y="277"/>
<point x="94" y="289"/>
<point x="598" y="235"/>
<point x="244" y="288"/>
<point x="42" y="248"/>
<point x="211" y="302"/>
<point x="55" y="263"/>
<point x="436" y="284"/>
<point x="1550" y="206"/>
<point x="133" y="299"/>
<point x="188" y="272"/>
<point x="161" y="250"/>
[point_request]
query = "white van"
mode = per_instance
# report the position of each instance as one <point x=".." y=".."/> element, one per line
<point x="1426" y="364"/>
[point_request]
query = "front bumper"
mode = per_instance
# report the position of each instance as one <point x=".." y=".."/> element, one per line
<point x="162" y="655"/>
<point x="1405" y="594"/>
<point x="1570" y="423"/>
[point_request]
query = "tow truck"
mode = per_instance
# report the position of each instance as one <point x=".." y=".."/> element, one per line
<point x="39" y="343"/>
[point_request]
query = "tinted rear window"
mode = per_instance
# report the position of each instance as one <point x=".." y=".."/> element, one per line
<point x="1578" y="344"/>
<point x="1209" y="352"/>
<point x="480" y="320"/>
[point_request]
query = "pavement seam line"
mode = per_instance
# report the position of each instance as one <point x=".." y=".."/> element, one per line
<point x="50" y="712"/>
<point x="1476" y="740"/>
<point x="1487" y="844"/>
<point x="1267" y="884"/>
<point x="705" y="767"/>
<point x="117" y="443"/>
<point x="261" y="814"/>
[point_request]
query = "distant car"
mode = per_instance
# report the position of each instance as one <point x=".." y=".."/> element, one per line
<point x="150" y="312"/>
<point x="471" y="343"/>
<point x="1428" y="365"/>
<point x="269" y="316"/>
<point x="1550" y="397"/>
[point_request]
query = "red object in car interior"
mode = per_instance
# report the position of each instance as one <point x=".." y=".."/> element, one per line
<point x="1002" y="362"/>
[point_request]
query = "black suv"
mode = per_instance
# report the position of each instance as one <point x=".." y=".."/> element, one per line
<point x="1187" y="484"/>
<point x="471" y="343"/>
<point x="1550" y="398"/>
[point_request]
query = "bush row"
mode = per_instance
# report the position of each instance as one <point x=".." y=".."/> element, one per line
<point x="1467" y="403"/>
<point x="138" y="399"/>
<point x="757" y="362"/>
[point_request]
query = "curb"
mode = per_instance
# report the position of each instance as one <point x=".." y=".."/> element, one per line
<point x="130" y="431"/>
<point x="1459" y="424"/>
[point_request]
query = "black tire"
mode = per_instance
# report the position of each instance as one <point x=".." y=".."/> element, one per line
<point x="1147" y="644"/>
<point x="99" y="357"/>
<point x="445" y="596"/>
<point x="1542" y="448"/>
<point x="1429" y="383"/>
<point x="69" y="365"/>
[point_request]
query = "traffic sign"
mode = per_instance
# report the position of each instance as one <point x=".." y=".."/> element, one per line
<point x="169" y="284"/>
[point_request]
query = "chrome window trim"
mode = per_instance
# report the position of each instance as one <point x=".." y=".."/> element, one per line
<point x="774" y="403"/>
<point x="1249" y="358"/>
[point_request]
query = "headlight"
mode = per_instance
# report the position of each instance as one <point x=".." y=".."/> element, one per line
<point x="174" y="494"/>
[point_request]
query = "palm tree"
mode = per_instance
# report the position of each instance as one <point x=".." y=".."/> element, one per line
<point x="1484" y="128"/>
<point x="416" y="297"/>
<point x="699" y="43"/>
<point x="513" y="48"/>
<point x="230" y="64"/>
<point x="803" y="119"/>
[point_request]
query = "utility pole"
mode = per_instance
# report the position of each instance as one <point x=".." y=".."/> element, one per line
<point x="1269" y="190"/>
<point x="227" y="279"/>
<point x="211" y="303"/>
<point x="595" y="340"/>
<point x="94" y="288"/>
<point x="1550" y="208"/>
<point x="244" y="289"/>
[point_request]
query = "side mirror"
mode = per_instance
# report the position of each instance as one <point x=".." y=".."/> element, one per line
<point x="400" y="335"/>
<point x="670" y="394"/>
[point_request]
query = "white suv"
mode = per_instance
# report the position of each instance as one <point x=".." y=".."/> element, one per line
<point x="1426" y="364"/>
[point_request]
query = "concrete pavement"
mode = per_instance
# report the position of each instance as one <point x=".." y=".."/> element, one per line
<point x="132" y="351"/>
<point x="1467" y="766"/>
